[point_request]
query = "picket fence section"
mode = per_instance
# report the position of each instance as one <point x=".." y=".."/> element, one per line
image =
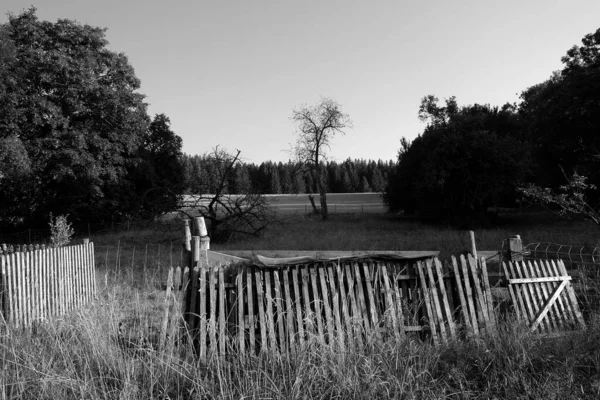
<point x="345" y="304"/>
<point x="542" y="295"/>
<point x="43" y="283"/>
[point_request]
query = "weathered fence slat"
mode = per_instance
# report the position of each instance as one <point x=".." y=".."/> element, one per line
<point x="270" y="317"/>
<point x="317" y="304"/>
<point x="298" y="304"/>
<point x="249" y="299"/>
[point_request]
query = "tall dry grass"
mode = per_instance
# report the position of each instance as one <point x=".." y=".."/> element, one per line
<point x="83" y="357"/>
<point x="86" y="356"/>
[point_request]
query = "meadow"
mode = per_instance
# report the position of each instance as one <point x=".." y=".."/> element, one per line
<point x="83" y="356"/>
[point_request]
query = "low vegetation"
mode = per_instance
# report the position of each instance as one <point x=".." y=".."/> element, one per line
<point x="109" y="350"/>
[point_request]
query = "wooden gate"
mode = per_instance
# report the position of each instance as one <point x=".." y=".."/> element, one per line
<point x="542" y="295"/>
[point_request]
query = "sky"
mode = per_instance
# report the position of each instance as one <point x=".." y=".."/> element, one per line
<point x="230" y="73"/>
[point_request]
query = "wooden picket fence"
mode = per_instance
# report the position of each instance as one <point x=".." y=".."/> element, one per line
<point x="40" y="284"/>
<point x="542" y="295"/>
<point x="345" y="303"/>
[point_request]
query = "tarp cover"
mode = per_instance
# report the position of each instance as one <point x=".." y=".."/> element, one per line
<point x="262" y="261"/>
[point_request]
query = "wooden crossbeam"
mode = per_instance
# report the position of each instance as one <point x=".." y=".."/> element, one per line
<point x="542" y="313"/>
<point x="539" y="280"/>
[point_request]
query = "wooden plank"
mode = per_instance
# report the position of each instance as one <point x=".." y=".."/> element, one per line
<point x="428" y="305"/>
<point x="222" y="314"/>
<point x="249" y="300"/>
<point x="27" y="288"/>
<point x="203" y="307"/>
<point x="192" y="310"/>
<point x="35" y="286"/>
<point x="488" y="295"/>
<point x="435" y="300"/>
<point x="298" y="304"/>
<point x="68" y="281"/>
<point x="212" y="321"/>
<point x="356" y="318"/>
<point x="345" y="315"/>
<point x="360" y="300"/>
<point x="469" y="293"/>
<point x="539" y="280"/>
<point x="571" y="295"/>
<point x="546" y="292"/>
<point x="27" y="285"/>
<point x="280" y="314"/>
<point x="289" y="310"/>
<point x="240" y="329"/>
<point x="310" y="327"/>
<point x="360" y="296"/>
<point x="325" y="294"/>
<point x="546" y="307"/>
<point x="397" y="299"/>
<point x="317" y="302"/>
<point x="464" y="307"/>
<point x="390" y="311"/>
<point x="335" y="306"/>
<point x="444" y="295"/>
<point x="480" y="296"/>
<point x="17" y="289"/>
<point x="370" y="296"/>
<point x="84" y="272"/>
<point x="260" y="304"/>
<point x="77" y="274"/>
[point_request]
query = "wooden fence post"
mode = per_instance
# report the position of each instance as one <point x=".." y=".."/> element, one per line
<point x="515" y="248"/>
<point x="473" y="247"/>
<point x="200" y="229"/>
<point x="187" y="244"/>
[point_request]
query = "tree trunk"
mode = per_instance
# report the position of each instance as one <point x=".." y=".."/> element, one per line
<point x="312" y="202"/>
<point x="324" y="210"/>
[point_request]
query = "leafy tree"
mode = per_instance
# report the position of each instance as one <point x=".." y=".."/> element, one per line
<point x="466" y="160"/>
<point x="317" y="125"/>
<point x="159" y="176"/>
<point x="71" y="111"/>
<point x="563" y="116"/>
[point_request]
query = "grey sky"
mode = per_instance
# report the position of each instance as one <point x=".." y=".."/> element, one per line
<point x="229" y="73"/>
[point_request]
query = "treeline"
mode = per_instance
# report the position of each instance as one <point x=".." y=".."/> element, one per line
<point x="204" y="174"/>
<point x="470" y="158"/>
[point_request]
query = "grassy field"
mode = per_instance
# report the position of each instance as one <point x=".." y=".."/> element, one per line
<point x="81" y="356"/>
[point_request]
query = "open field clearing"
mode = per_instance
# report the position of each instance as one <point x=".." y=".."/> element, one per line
<point x="290" y="204"/>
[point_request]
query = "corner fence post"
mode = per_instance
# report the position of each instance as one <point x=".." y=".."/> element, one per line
<point x="515" y="248"/>
<point x="200" y="230"/>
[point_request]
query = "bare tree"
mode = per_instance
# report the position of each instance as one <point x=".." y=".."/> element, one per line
<point x="228" y="214"/>
<point x="317" y="125"/>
